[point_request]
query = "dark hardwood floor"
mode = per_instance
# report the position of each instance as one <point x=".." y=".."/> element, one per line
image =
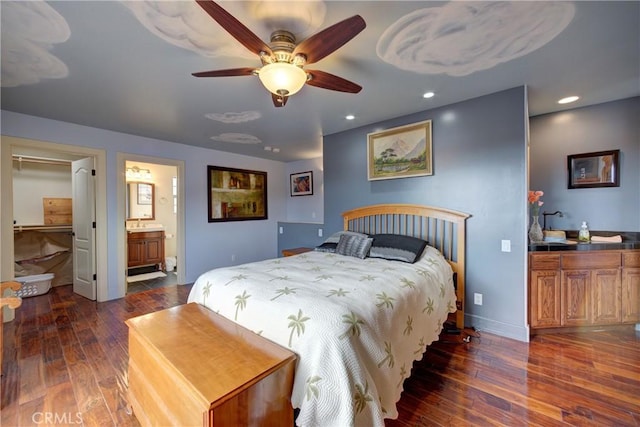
<point x="65" y="363"/>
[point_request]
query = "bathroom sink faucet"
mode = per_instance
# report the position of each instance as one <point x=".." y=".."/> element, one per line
<point x="544" y="215"/>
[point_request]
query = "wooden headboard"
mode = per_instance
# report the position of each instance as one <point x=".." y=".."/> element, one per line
<point x="444" y="229"/>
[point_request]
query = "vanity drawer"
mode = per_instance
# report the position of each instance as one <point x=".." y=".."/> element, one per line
<point x="591" y="260"/>
<point x="145" y="235"/>
<point x="631" y="259"/>
<point x="544" y="261"/>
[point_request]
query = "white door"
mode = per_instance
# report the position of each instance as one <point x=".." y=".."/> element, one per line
<point x="84" y="231"/>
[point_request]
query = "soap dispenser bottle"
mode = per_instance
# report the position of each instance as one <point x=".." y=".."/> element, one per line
<point x="583" y="234"/>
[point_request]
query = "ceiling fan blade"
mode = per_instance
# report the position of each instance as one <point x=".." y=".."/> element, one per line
<point x="325" y="80"/>
<point x="235" y="27"/>
<point x="279" y="101"/>
<point x="330" y="39"/>
<point x="231" y="72"/>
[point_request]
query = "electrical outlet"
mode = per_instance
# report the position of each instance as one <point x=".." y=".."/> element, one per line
<point x="477" y="298"/>
<point x="506" y="246"/>
<point x="281" y="230"/>
<point x="233" y="257"/>
<point x="319" y="232"/>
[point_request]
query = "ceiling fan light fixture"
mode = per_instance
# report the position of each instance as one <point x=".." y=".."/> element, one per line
<point x="281" y="78"/>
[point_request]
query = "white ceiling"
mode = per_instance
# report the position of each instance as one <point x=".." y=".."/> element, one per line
<point x="126" y="66"/>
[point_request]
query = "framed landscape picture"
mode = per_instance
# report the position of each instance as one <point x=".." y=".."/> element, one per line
<point x="236" y="194"/>
<point x="591" y="170"/>
<point x="301" y="184"/>
<point x="400" y="152"/>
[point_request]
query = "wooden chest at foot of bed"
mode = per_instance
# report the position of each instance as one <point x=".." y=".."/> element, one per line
<point x="189" y="366"/>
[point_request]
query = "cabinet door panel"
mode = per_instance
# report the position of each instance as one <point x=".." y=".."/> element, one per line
<point x="153" y="251"/>
<point x="631" y="295"/>
<point x="606" y="288"/>
<point x="135" y="253"/>
<point x="576" y="297"/>
<point x="545" y="299"/>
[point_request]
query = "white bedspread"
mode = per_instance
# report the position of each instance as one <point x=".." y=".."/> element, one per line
<point x="356" y="325"/>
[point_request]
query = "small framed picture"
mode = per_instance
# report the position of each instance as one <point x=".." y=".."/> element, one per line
<point x="144" y="193"/>
<point x="302" y="184"/>
<point x="591" y="170"/>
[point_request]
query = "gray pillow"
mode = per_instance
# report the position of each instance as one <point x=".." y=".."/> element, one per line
<point x="396" y="247"/>
<point x="335" y="237"/>
<point x="331" y="243"/>
<point x="355" y="246"/>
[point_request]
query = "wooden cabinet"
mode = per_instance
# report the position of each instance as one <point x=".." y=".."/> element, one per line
<point x="145" y="248"/>
<point x="544" y="292"/>
<point x="631" y="286"/>
<point x="584" y="288"/>
<point x="190" y="366"/>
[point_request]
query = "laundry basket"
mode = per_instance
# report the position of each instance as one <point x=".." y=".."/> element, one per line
<point x="37" y="284"/>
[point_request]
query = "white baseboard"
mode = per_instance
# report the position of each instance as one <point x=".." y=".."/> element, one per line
<point x="507" y="330"/>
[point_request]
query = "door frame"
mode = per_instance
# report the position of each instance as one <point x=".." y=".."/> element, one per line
<point x="7" y="255"/>
<point x="121" y="160"/>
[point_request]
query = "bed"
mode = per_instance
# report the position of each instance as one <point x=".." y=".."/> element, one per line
<point x="356" y="323"/>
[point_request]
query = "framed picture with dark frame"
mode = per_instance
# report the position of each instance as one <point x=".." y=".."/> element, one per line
<point x="236" y="194"/>
<point x="592" y="170"/>
<point x="301" y="183"/>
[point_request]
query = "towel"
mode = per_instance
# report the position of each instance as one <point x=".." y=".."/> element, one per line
<point x="603" y="239"/>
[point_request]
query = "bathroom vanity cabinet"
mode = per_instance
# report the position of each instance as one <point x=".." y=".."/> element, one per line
<point x="145" y="248"/>
<point x="584" y="288"/>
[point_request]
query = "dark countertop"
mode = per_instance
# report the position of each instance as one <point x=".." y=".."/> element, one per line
<point x="630" y="240"/>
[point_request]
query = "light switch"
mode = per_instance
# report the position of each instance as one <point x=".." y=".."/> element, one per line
<point x="506" y="246"/>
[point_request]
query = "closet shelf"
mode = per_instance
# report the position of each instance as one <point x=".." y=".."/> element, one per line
<point x="45" y="227"/>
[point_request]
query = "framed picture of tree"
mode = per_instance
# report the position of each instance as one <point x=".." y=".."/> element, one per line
<point x="400" y="152"/>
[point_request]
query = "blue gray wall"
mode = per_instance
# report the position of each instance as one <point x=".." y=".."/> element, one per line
<point x="306" y="208"/>
<point x="609" y="126"/>
<point x="208" y="245"/>
<point x="479" y="159"/>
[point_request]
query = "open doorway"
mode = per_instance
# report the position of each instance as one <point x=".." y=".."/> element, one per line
<point x="40" y="181"/>
<point x="150" y="193"/>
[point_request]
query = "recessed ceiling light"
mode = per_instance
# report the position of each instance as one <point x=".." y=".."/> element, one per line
<point x="568" y="99"/>
<point x="428" y="95"/>
<point x="350" y="117"/>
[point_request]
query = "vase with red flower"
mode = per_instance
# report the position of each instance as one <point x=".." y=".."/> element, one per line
<point x="535" y="231"/>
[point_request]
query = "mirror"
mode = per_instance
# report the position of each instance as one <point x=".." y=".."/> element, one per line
<point x="140" y="201"/>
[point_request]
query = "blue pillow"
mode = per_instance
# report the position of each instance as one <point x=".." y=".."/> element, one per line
<point x="396" y="247"/>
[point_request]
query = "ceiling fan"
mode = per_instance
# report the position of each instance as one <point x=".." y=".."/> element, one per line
<point x="282" y="71"/>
